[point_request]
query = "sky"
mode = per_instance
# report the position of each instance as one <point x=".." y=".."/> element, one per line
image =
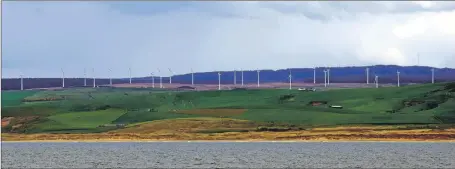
<point x="39" y="39"/>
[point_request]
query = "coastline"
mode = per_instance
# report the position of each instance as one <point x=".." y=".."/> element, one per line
<point x="230" y="141"/>
<point x="315" y="135"/>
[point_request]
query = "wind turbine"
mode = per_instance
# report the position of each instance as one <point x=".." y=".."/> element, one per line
<point x="94" y="80"/>
<point x="63" y="78"/>
<point x="130" y="74"/>
<point x="376" y="80"/>
<point x="242" y="77"/>
<point x="170" y="77"/>
<point x="398" y="78"/>
<point x="314" y="75"/>
<point x="153" y="80"/>
<point x="368" y="75"/>
<point x="290" y="80"/>
<point x="325" y="78"/>
<point x="161" y="78"/>
<point x="219" y="80"/>
<point x="22" y="82"/>
<point x="85" y="77"/>
<point x="432" y="75"/>
<point x="110" y="77"/>
<point x="192" y="77"/>
<point x="258" y="77"/>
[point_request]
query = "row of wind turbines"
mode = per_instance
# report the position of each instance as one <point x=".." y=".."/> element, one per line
<point x="326" y="78"/>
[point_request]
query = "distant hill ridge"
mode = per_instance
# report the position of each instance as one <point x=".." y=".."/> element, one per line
<point x="352" y="74"/>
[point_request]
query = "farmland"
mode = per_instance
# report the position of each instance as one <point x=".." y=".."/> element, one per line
<point x="146" y="110"/>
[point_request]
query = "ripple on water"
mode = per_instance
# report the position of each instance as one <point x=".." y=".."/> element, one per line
<point x="228" y="155"/>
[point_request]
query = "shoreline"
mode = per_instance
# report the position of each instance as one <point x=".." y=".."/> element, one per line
<point x="227" y="141"/>
<point x="236" y="137"/>
<point x="334" y="134"/>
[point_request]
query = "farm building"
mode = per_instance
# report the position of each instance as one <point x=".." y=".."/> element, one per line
<point x="307" y="89"/>
<point x="336" y="106"/>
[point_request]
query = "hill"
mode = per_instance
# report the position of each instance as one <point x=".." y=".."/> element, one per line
<point x="387" y="73"/>
<point x="82" y="110"/>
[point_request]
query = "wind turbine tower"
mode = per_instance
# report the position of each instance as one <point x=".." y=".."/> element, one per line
<point x="432" y="75"/>
<point x="63" y="79"/>
<point x="153" y="80"/>
<point x="85" y="77"/>
<point x="94" y="80"/>
<point x="290" y="80"/>
<point x="219" y="80"/>
<point x="376" y="80"/>
<point x="170" y="77"/>
<point x="314" y="75"/>
<point x="192" y="77"/>
<point x="398" y="78"/>
<point x="22" y="82"/>
<point x="258" y="78"/>
<point x="110" y="77"/>
<point x="161" y="79"/>
<point x="242" y="76"/>
<point x="130" y="74"/>
<point x="325" y="78"/>
<point x="368" y="75"/>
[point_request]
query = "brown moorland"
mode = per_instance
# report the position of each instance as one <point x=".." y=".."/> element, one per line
<point x="193" y="129"/>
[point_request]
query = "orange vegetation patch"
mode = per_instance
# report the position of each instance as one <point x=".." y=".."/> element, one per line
<point x="214" y="112"/>
<point x="17" y="122"/>
<point x="42" y="99"/>
<point x="25" y="119"/>
<point x="6" y="121"/>
<point x="187" y="125"/>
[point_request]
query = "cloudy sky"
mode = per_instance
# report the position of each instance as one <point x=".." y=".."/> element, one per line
<point x="40" y="38"/>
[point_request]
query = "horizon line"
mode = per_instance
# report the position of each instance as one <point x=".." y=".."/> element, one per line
<point x="281" y="69"/>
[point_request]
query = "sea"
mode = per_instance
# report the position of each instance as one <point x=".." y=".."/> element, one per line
<point x="228" y="155"/>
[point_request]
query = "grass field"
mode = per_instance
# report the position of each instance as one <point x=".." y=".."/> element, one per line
<point x="79" y="120"/>
<point x="86" y="110"/>
<point x="14" y="98"/>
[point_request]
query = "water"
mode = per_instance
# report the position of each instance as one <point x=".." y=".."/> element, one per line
<point x="228" y="155"/>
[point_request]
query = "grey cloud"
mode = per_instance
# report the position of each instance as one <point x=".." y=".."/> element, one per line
<point x="216" y="9"/>
<point x="236" y="35"/>
<point x="328" y="10"/>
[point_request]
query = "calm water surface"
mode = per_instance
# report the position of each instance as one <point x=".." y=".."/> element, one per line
<point x="228" y="155"/>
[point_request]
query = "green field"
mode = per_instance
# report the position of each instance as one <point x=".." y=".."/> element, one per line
<point x="87" y="110"/>
<point x="79" y="121"/>
<point x="14" y="98"/>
